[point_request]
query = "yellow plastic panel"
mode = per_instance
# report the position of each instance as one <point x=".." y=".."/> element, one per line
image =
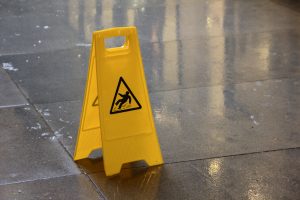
<point x="127" y="130"/>
<point x="89" y="137"/>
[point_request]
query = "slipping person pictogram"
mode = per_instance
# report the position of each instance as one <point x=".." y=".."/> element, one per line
<point x="125" y="98"/>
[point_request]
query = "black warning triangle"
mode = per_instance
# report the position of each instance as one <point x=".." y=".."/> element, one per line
<point x="126" y="98"/>
<point x="95" y="102"/>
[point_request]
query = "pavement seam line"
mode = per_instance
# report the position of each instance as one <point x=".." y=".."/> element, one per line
<point x="40" y="179"/>
<point x="96" y="187"/>
<point x="214" y="157"/>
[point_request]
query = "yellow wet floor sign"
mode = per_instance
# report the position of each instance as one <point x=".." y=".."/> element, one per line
<point x="116" y="114"/>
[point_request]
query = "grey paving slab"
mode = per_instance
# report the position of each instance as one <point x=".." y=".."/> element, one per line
<point x="77" y="187"/>
<point x="52" y="76"/>
<point x="63" y="118"/>
<point x="69" y="23"/>
<point x="34" y="33"/>
<point x="220" y="17"/>
<point x="191" y="19"/>
<point x="60" y="64"/>
<point x="59" y="25"/>
<point x="221" y="60"/>
<point x="29" y="150"/>
<point x="9" y="93"/>
<point x="272" y="175"/>
<point x="52" y="90"/>
<point x="228" y="120"/>
<point x="207" y="122"/>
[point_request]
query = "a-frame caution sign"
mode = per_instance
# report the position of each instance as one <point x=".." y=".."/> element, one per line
<point x="117" y="114"/>
<point x="124" y="99"/>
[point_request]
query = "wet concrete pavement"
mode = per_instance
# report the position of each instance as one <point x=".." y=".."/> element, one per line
<point x="224" y="82"/>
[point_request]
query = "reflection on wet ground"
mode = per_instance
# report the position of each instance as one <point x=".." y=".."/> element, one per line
<point x="224" y="82"/>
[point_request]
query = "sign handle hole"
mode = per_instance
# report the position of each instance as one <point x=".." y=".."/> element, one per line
<point x="115" y="42"/>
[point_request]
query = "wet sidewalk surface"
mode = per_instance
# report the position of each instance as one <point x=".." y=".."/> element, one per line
<point x="224" y="82"/>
